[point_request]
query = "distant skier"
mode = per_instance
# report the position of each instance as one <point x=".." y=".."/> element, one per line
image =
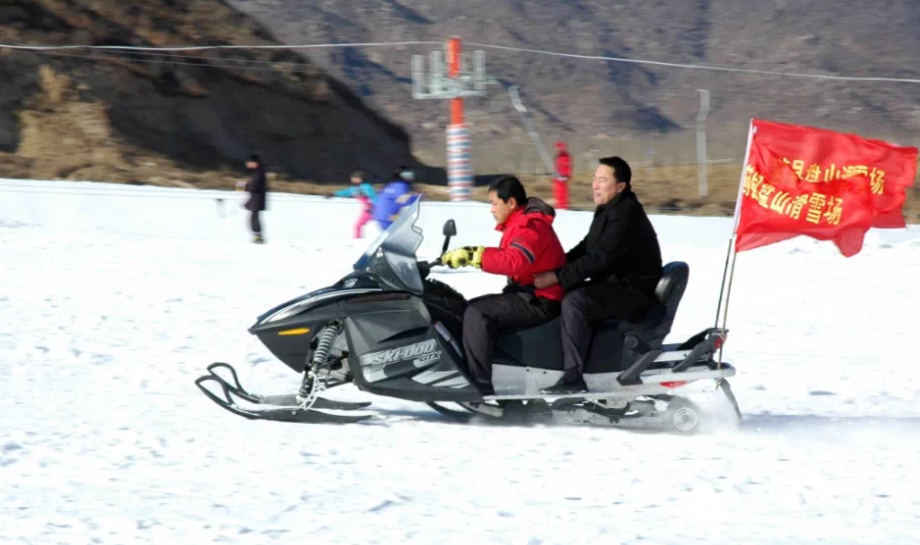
<point x="561" y="183"/>
<point x="257" y="186"/>
<point x="394" y="197"/>
<point x="365" y="194"/>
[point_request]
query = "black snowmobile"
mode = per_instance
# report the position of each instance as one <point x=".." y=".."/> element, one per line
<point x="394" y="331"/>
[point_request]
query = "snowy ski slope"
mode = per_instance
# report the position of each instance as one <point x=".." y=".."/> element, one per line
<point x="114" y="298"/>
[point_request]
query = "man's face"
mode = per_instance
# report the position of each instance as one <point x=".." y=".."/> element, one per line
<point x="501" y="209"/>
<point x="251" y="165"/>
<point x="356" y="181"/>
<point x="605" y="185"/>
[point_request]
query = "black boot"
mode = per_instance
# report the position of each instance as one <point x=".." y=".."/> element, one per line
<point x="485" y="388"/>
<point x="564" y="386"/>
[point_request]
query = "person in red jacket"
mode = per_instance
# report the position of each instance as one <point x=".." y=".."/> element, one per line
<point x="528" y="246"/>
<point x="564" y="171"/>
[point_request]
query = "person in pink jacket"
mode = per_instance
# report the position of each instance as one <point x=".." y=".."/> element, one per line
<point x="365" y="194"/>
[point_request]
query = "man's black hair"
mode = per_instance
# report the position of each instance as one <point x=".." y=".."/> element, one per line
<point x="254" y="157"/>
<point x="621" y="169"/>
<point x="509" y="186"/>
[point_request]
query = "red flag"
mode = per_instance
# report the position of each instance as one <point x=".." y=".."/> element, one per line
<point x="826" y="185"/>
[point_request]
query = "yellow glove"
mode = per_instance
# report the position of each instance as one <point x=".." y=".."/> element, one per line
<point x="462" y="257"/>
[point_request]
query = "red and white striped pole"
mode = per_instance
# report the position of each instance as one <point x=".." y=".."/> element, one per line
<point x="459" y="165"/>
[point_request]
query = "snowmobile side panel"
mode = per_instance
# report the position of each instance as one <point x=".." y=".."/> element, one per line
<point x="525" y="382"/>
<point x="395" y="350"/>
<point x="410" y="390"/>
<point x="516" y="380"/>
<point x="651" y="380"/>
<point x="539" y="347"/>
<point x="383" y="324"/>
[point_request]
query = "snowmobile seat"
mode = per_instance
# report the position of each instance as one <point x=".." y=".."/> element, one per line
<point x="616" y="343"/>
<point x="632" y="338"/>
<point x="668" y="293"/>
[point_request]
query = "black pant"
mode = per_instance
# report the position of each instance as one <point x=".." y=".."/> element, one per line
<point x="254" y="222"/>
<point x="583" y="306"/>
<point x="486" y="316"/>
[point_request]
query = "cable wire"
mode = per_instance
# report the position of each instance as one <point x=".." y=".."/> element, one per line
<point x="472" y="44"/>
<point x="695" y="66"/>
<point x="206" y="47"/>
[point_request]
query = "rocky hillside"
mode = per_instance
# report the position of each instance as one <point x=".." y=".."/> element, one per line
<point x="638" y="110"/>
<point x="180" y="118"/>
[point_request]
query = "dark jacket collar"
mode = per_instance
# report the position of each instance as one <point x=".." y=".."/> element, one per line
<point x="623" y="195"/>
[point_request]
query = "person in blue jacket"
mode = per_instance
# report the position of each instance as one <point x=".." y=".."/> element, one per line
<point x="394" y="197"/>
<point x="365" y="193"/>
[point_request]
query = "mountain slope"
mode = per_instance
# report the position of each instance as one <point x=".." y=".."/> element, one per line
<point x="120" y="116"/>
<point x="627" y="108"/>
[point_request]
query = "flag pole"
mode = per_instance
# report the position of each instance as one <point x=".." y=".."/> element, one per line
<point x="730" y="255"/>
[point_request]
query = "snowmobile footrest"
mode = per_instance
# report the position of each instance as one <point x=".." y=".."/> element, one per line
<point x="631" y="375"/>
<point x="277" y="413"/>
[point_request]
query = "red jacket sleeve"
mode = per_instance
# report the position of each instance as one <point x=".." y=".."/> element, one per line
<point x="521" y="253"/>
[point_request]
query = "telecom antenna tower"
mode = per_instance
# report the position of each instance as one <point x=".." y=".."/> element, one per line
<point x="453" y="80"/>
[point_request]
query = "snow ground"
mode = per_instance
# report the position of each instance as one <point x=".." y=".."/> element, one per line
<point x="113" y="299"/>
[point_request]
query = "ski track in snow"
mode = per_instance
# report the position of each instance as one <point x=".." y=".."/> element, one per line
<point x="105" y="439"/>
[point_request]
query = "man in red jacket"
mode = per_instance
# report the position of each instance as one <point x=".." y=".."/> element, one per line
<point x="529" y="245"/>
<point x="564" y="170"/>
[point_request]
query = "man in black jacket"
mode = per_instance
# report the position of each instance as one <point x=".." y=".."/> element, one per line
<point x="611" y="274"/>
<point x="257" y="186"/>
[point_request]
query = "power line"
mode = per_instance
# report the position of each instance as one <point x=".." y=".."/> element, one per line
<point x="694" y="66"/>
<point x="205" y="47"/>
<point x="285" y="66"/>
<point x="207" y="62"/>
<point x="473" y="44"/>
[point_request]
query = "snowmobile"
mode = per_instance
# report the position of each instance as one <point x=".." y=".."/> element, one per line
<point x="391" y="330"/>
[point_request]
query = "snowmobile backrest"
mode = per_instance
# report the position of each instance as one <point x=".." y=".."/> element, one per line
<point x="670" y="289"/>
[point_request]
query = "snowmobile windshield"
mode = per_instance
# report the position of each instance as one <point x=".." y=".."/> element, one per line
<point x="391" y="257"/>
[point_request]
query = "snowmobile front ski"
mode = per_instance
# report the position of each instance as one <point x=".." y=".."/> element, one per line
<point x="283" y="400"/>
<point x="278" y="413"/>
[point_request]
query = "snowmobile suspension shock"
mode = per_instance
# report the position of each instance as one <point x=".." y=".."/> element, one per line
<point x="325" y="344"/>
<point x="312" y="383"/>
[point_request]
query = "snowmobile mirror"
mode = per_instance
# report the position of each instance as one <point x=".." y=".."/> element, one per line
<point x="450" y="229"/>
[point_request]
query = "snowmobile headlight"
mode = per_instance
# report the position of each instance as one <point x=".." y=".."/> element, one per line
<point x="297" y="331"/>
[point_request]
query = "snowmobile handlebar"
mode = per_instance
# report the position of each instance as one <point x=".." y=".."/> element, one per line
<point x="424" y="267"/>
